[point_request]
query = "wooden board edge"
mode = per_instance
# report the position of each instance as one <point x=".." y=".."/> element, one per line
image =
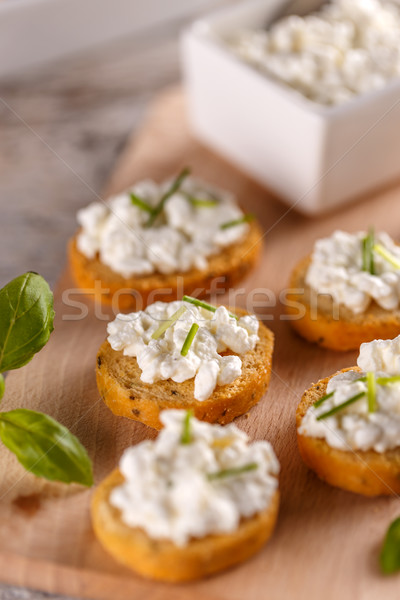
<point x="54" y="578"/>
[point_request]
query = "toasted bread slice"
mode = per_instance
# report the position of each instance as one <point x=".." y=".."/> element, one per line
<point x="318" y="319"/>
<point x="162" y="559"/>
<point x="368" y="472"/>
<point x="226" y="268"/>
<point x="120" y="386"/>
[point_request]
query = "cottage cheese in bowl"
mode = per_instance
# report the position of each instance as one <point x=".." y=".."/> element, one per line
<point x="347" y="48"/>
<point x="197" y="221"/>
<point x="195" y="480"/>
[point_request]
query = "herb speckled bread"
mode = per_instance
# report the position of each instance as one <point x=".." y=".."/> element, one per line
<point x="368" y="472"/>
<point x="232" y="264"/>
<point x="162" y="559"/>
<point x="120" y="386"/>
<point x="335" y="327"/>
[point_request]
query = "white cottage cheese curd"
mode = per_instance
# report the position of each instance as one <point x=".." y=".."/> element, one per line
<point x="347" y="48"/>
<point x="354" y="428"/>
<point x="336" y="270"/>
<point x="161" y="359"/>
<point x="167" y="491"/>
<point x="380" y="355"/>
<point x="182" y="238"/>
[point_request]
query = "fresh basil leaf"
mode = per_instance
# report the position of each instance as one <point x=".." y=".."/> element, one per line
<point x="2" y="386"/>
<point x="26" y="309"/>
<point x="45" y="447"/>
<point x="390" y="553"/>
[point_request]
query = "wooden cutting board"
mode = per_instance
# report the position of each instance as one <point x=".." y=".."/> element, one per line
<point x="326" y="542"/>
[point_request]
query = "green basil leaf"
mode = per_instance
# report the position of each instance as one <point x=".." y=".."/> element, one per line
<point x="45" y="447"/>
<point x="2" y="386"/>
<point x="26" y="309"/>
<point x="390" y="553"/>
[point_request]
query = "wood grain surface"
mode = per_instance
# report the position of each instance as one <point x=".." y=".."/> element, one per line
<point x="326" y="542"/>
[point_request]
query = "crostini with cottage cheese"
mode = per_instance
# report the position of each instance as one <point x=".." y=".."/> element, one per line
<point x="197" y="500"/>
<point x="348" y="424"/>
<point x="348" y="291"/>
<point x="158" y="242"/>
<point x="184" y="354"/>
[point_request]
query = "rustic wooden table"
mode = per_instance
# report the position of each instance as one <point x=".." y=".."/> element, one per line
<point x="62" y="127"/>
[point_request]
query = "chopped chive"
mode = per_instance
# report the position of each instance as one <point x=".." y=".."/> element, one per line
<point x="232" y="472"/>
<point x="167" y="323"/>
<point x="140" y="203"/>
<point x="386" y="380"/>
<point x="245" y="219"/>
<point x="205" y="305"/>
<point x="202" y="203"/>
<point x="186" y="436"/>
<point x="340" y="407"/>
<point x="322" y="400"/>
<point x="189" y="339"/>
<point x="368" y="244"/>
<point x="371" y="391"/>
<point x="174" y="187"/>
<point x="379" y="249"/>
<point x="365" y="255"/>
<point x="327" y="396"/>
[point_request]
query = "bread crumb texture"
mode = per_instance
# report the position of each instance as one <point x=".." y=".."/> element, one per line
<point x="162" y="559"/>
<point x="120" y="386"/>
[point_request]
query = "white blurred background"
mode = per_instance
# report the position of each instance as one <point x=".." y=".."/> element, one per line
<point x="36" y="31"/>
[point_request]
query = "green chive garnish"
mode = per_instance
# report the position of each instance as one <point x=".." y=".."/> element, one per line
<point x="368" y="245"/>
<point x="186" y="436"/>
<point x="340" y="407"/>
<point x="371" y="391"/>
<point x="204" y="305"/>
<point x="168" y="322"/>
<point x="322" y="400"/>
<point x="388" y="380"/>
<point x="387" y="256"/>
<point x="202" y="202"/>
<point x="140" y="203"/>
<point x="174" y="187"/>
<point x="327" y="396"/>
<point x="189" y="339"/>
<point x="245" y="219"/>
<point x="232" y="472"/>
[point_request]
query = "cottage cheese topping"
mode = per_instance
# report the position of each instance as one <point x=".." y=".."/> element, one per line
<point x="336" y="269"/>
<point x="380" y="355"/>
<point x="354" y="427"/>
<point x="161" y="358"/>
<point x="167" y="491"/>
<point x="347" y="48"/>
<point x="183" y="236"/>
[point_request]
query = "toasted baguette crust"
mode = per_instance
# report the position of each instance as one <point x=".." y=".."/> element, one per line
<point x="226" y="268"/>
<point x="335" y="326"/>
<point x="162" y="559"/>
<point x="120" y="386"/>
<point x="368" y="472"/>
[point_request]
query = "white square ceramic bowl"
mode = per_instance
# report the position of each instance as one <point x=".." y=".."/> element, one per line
<point x="314" y="157"/>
